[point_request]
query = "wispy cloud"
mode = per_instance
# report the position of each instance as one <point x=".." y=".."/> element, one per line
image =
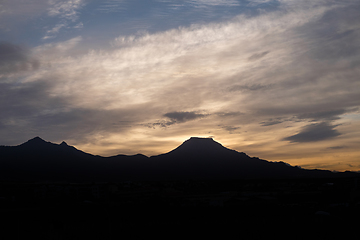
<point x="210" y="58"/>
<point x="54" y="31"/>
<point x="65" y="9"/>
<point x="337" y="147"/>
<point x="67" y="12"/>
<point x="257" y="56"/>
<point x="271" y="122"/>
<point x="249" y="87"/>
<point x="199" y="3"/>
<point x="289" y="74"/>
<point x="109" y="6"/>
<point x="51" y="51"/>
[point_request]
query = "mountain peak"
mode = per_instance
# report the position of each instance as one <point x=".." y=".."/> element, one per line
<point x="195" y="145"/>
<point x="36" y="140"/>
<point x="201" y="141"/>
<point x="200" y="138"/>
<point x="63" y="144"/>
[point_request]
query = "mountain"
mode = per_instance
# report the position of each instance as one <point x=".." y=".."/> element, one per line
<point x="196" y="158"/>
<point x="37" y="160"/>
<point x="204" y="158"/>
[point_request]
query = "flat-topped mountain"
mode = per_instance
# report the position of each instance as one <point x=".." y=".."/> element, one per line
<point x="204" y="149"/>
<point x="196" y="158"/>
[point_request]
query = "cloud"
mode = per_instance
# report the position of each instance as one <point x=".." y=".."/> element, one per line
<point x="160" y="123"/>
<point x="14" y="58"/>
<point x="52" y="32"/>
<point x="28" y="110"/>
<point x="255" y="2"/>
<point x="67" y="12"/>
<point x="54" y="51"/>
<point x="315" y="132"/>
<point x="230" y="129"/>
<point x="293" y="63"/>
<point x="22" y="9"/>
<point x="79" y="25"/>
<point x="270" y="122"/>
<point x="323" y="115"/>
<point x="183" y="116"/>
<point x="257" y="56"/>
<point x="337" y="147"/>
<point x="11" y="53"/>
<point x="229" y="114"/>
<point x="174" y="118"/>
<point x="200" y="3"/>
<point x="65" y="9"/>
<point x="252" y="87"/>
<point x="110" y="6"/>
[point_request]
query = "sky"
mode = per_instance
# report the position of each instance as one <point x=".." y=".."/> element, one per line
<point x="276" y="79"/>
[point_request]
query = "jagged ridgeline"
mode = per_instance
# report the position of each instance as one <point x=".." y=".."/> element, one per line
<point x="196" y="158"/>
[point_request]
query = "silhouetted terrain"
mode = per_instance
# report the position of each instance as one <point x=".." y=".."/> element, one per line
<point x="196" y="158"/>
<point x="200" y="189"/>
<point x="232" y="209"/>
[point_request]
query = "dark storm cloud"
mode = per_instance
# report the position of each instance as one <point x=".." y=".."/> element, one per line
<point x="257" y="56"/>
<point x="183" y="116"/>
<point x="14" y="58"/>
<point x="315" y="132"/>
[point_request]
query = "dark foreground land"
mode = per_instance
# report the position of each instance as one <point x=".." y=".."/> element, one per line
<point x="237" y="209"/>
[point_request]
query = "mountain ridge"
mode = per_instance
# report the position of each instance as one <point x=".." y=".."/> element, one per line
<point x="195" y="158"/>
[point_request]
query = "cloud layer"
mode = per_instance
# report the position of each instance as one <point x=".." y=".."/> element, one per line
<point x="279" y="78"/>
<point x="315" y="132"/>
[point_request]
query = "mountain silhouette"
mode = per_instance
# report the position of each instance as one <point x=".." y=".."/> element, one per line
<point x="196" y="158"/>
<point x="204" y="158"/>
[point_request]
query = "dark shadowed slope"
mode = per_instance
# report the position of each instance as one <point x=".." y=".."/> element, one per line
<point x="196" y="158"/>
<point x="37" y="159"/>
<point x="205" y="158"/>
